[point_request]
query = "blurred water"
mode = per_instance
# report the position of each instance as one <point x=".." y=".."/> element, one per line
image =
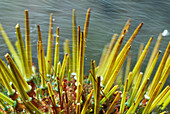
<point x="107" y="17"/>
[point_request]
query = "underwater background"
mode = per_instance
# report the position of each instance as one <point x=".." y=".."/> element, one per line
<point x="107" y="17"/>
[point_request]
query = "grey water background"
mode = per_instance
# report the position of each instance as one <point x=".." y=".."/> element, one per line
<point x="107" y="17"/>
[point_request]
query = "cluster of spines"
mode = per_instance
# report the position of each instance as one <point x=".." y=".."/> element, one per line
<point x="102" y="77"/>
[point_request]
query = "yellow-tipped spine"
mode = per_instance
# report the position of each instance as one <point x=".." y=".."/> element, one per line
<point x="78" y="51"/>
<point x="22" y="53"/>
<point x="28" y="42"/>
<point x="39" y="33"/>
<point x="97" y="98"/>
<point x="41" y="64"/>
<point x="74" y="41"/>
<point x="50" y="46"/>
<point x="86" y="25"/>
<point x="122" y="105"/>
<point x="22" y="84"/>
<point x="81" y="61"/>
<point x="16" y="73"/>
<point x="93" y="77"/>
<point x="56" y="55"/>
